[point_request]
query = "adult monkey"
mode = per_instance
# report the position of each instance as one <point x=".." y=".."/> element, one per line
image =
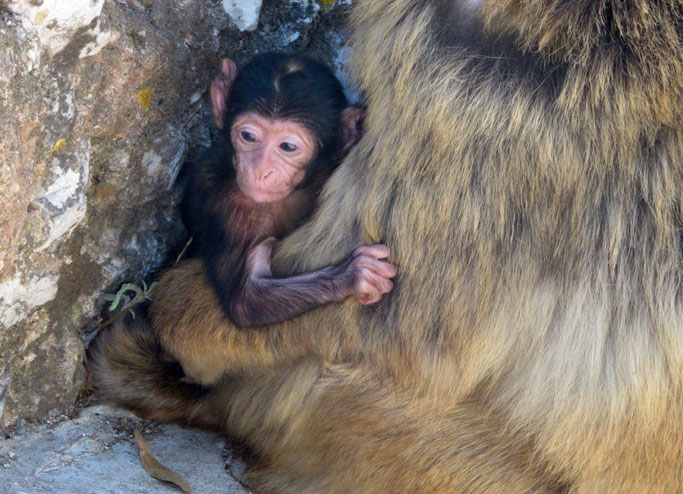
<point x="522" y="162"/>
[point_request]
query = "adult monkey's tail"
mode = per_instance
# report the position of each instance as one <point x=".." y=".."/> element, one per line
<point x="128" y="369"/>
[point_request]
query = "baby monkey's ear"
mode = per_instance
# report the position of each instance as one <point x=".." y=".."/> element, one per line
<point x="220" y="89"/>
<point x="352" y="127"/>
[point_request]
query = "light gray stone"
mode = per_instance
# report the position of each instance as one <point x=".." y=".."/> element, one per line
<point x="56" y="21"/>
<point x="244" y="13"/>
<point x="95" y="454"/>
<point x="94" y="130"/>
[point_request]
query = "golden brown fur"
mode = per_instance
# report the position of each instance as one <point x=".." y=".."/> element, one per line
<point x="523" y="164"/>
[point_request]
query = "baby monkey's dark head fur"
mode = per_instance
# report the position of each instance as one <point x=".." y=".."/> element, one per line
<point x="287" y="120"/>
<point x="292" y="87"/>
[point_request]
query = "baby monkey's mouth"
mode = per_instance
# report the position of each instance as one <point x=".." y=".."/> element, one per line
<point x="258" y="194"/>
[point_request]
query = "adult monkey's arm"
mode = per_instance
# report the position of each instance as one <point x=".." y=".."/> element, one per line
<point x="209" y="348"/>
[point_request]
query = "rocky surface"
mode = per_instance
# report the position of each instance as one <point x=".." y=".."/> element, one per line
<point x="101" y="102"/>
<point x="96" y="453"/>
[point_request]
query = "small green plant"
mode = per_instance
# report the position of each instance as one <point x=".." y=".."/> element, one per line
<point x="128" y="296"/>
<point x="124" y="299"/>
<point x="140" y="294"/>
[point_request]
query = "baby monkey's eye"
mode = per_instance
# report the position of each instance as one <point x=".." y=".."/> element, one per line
<point x="288" y="147"/>
<point x="248" y="136"/>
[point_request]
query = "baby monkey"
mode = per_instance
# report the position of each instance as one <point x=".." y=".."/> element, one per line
<point x="287" y="125"/>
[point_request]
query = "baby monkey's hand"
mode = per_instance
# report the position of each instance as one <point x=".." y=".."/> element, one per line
<point x="368" y="275"/>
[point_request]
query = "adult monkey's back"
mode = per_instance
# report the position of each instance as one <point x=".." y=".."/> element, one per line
<point x="522" y="162"/>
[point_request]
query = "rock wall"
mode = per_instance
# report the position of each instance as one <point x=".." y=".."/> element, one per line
<point x="101" y="102"/>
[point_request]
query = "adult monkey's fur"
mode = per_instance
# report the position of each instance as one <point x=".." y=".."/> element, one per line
<point x="523" y="164"/>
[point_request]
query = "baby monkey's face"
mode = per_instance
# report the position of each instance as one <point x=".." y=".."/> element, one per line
<point x="271" y="155"/>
